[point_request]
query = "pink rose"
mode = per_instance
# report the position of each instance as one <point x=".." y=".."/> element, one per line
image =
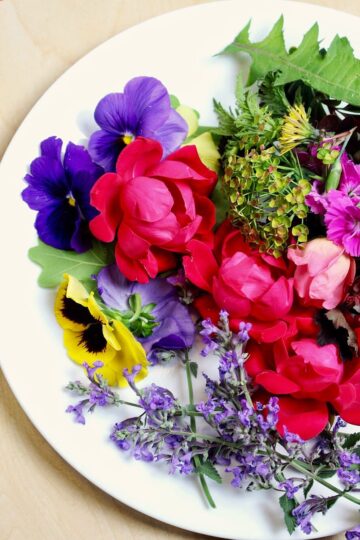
<point x="153" y="207"/>
<point x="323" y="273"/>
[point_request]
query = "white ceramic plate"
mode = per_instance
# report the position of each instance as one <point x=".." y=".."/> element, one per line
<point x="177" y="48"/>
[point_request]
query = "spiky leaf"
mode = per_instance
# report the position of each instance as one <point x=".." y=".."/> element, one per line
<point x="208" y="469"/>
<point x="307" y="62"/>
<point x="351" y="440"/>
<point x="57" y="262"/>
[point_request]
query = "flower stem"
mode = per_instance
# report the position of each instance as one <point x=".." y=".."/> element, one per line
<point x="197" y="459"/>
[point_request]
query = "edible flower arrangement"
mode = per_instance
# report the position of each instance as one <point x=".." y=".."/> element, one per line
<point x="167" y="241"/>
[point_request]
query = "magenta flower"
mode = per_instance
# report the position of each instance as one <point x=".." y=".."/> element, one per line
<point x="342" y="220"/>
<point x="143" y="109"/>
<point x="350" y="179"/>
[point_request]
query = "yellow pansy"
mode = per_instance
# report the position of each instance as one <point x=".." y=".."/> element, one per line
<point x="89" y="335"/>
<point x="204" y="143"/>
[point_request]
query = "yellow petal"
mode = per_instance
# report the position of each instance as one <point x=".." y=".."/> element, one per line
<point x="76" y="290"/>
<point x="95" y="310"/>
<point x="190" y="117"/>
<point x="131" y="353"/>
<point x="207" y="150"/>
<point x="59" y="306"/>
<point x="77" y="351"/>
<point x="110" y="336"/>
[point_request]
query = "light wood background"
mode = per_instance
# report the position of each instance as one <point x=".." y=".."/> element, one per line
<point x="41" y="496"/>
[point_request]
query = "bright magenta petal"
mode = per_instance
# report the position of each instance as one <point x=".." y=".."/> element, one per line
<point x="305" y="417"/>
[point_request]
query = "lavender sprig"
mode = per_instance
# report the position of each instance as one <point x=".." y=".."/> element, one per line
<point x="243" y="437"/>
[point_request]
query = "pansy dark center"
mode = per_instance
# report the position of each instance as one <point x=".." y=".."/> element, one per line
<point x="92" y="338"/>
<point x="76" y="312"/>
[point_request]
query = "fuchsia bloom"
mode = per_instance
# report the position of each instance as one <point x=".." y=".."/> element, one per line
<point x="153" y="207"/>
<point x="323" y="273"/>
<point x="305" y="377"/>
<point x="248" y="285"/>
<point x="342" y="220"/>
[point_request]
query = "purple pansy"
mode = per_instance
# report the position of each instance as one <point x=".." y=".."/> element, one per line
<point x="175" y="329"/>
<point x="143" y="109"/>
<point x="353" y="534"/>
<point x="59" y="191"/>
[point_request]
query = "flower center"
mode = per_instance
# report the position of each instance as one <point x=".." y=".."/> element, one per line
<point x="127" y="138"/>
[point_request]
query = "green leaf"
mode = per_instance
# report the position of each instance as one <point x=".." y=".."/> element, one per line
<point x="288" y="506"/>
<point x="318" y="68"/>
<point x="208" y="469"/>
<point x="57" y="262"/>
<point x="227" y="126"/>
<point x="308" y="487"/>
<point x="194" y="369"/>
<point x="174" y="101"/>
<point x="351" y="440"/>
<point x="221" y="202"/>
<point x="326" y="473"/>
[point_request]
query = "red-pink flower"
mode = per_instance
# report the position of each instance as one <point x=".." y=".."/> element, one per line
<point x="248" y="285"/>
<point x="323" y="273"/>
<point x="154" y="207"/>
<point x="306" y="377"/>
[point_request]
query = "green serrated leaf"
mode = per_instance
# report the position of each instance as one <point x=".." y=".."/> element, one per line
<point x="227" y="126"/>
<point x="351" y="440"/>
<point x="57" y="262"/>
<point x="306" y="62"/>
<point x="288" y="506"/>
<point x="194" y="369"/>
<point x="208" y="469"/>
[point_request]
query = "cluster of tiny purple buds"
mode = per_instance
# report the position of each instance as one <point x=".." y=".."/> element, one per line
<point x="155" y="398"/>
<point x="347" y="474"/>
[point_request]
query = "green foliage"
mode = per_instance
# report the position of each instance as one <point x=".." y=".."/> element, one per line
<point x="226" y="121"/>
<point x="208" y="469"/>
<point x="351" y="440"/>
<point x="194" y="369"/>
<point x="308" y="487"/>
<point x="318" y="68"/>
<point x="288" y="506"/>
<point x="57" y="262"/>
<point x="221" y="202"/>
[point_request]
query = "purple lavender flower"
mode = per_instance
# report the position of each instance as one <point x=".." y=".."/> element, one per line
<point x="306" y="510"/>
<point x="182" y="464"/>
<point x="348" y="478"/>
<point x="155" y="398"/>
<point x="290" y="488"/>
<point x="243" y="334"/>
<point x="353" y="534"/>
<point x="78" y="411"/>
<point x="346" y="459"/>
<point x="130" y="376"/>
<point x="60" y="192"/>
<point x="342" y="220"/>
<point x="175" y="329"/>
<point x="143" y="109"/>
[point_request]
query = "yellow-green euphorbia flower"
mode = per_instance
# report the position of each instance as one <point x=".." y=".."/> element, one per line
<point x="204" y="143"/>
<point x="90" y="335"/>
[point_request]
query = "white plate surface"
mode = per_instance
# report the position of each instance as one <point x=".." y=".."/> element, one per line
<point x="177" y="48"/>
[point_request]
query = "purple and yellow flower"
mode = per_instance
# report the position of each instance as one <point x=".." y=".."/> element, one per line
<point x="60" y="192"/>
<point x="143" y="109"/>
<point x="90" y="336"/>
<point x="175" y="329"/>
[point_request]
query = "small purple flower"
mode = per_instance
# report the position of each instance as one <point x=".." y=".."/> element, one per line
<point x="78" y="411"/>
<point x="353" y="534"/>
<point x="60" y="192"/>
<point x="243" y="334"/>
<point x="348" y="477"/>
<point x="130" y="376"/>
<point x="316" y="200"/>
<point x="350" y="179"/>
<point x="238" y="474"/>
<point x="91" y="370"/>
<point x="306" y="510"/>
<point x="206" y="407"/>
<point x="143" y="109"/>
<point x="98" y="396"/>
<point x="290" y="488"/>
<point x="155" y="398"/>
<point x="346" y="459"/>
<point x="182" y="464"/>
<point x="292" y="438"/>
<point x="175" y="329"/>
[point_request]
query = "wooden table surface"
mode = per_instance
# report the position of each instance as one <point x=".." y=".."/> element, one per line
<point x="41" y="496"/>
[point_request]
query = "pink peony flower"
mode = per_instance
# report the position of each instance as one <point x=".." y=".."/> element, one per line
<point x="153" y="207"/>
<point x="323" y="273"/>
<point x="250" y="286"/>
